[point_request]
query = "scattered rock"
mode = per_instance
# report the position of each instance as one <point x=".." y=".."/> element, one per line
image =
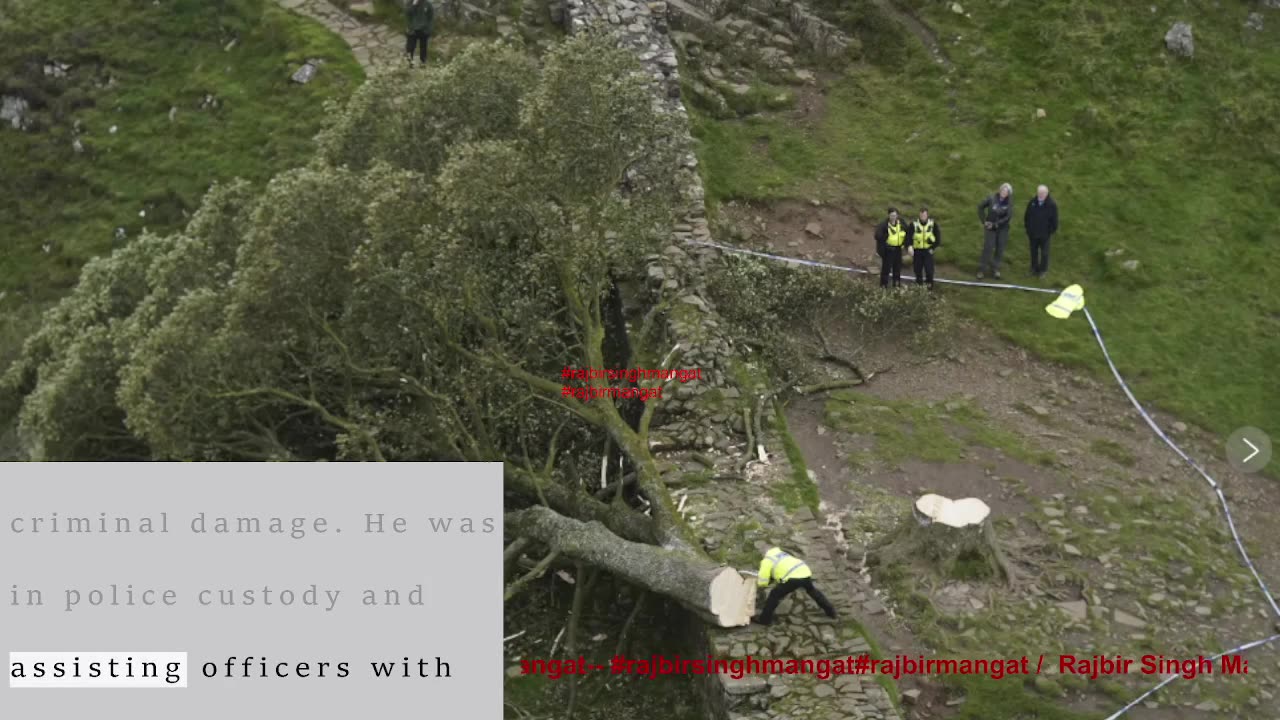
<point x="173" y="113"/>
<point x="514" y="671"/>
<point x="1040" y="410"/>
<point x="113" y="129"/>
<point x="1203" y="611"/>
<point x="1130" y="265"/>
<point x="1126" y="619"/>
<point x="1053" y="512"/>
<point x="1077" y="610"/>
<point x="1179" y="427"/>
<point x="1180" y="41"/>
<point x="304" y="74"/>
<point x="910" y="697"/>
<point x="1254" y="22"/>
<point x="823" y="690"/>
<point x="957" y="8"/>
<point x="814" y="228"/>
<point x="77" y="146"/>
<point x="362" y="8"/>
<point x="1207" y="706"/>
<point x="1070" y="549"/>
<point x="1041" y="114"/>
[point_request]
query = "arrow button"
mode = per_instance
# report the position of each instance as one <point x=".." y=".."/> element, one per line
<point x="1248" y="449"/>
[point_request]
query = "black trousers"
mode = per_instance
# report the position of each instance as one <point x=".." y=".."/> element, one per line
<point x="922" y="263"/>
<point x="419" y="40"/>
<point x="1039" y="255"/>
<point x="781" y="591"/>
<point x="891" y="263"/>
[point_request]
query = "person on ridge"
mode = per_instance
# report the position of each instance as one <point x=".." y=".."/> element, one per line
<point x="924" y="237"/>
<point x="995" y="212"/>
<point x="420" y="16"/>
<point x="791" y="573"/>
<point x="1041" y="222"/>
<point x="890" y="238"/>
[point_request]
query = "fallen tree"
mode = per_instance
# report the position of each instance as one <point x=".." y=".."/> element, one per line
<point x="718" y="594"/>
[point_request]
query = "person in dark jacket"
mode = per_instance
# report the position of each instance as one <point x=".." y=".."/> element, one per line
<point x="995" y="212"/>
<point x="923" y="235"/>
<point x="421" y="17"/>
<point x="1041" y="222"/>
<point x="891" y="236"/>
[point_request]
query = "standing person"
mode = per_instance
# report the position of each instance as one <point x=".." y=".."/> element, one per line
<point x="1041" y="222"/>
<point x="995" y="212"/>
<point x="925" y="235"/>
<point x="791" y="573"/>
<point x="420" y="15"/>
<point x="890" y="237"/>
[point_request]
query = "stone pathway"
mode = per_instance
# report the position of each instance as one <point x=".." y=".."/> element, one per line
<point x="737" y="514"/>
<point x="371" y="44"/>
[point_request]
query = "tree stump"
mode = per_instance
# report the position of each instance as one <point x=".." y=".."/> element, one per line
<point x="954" y="537"/>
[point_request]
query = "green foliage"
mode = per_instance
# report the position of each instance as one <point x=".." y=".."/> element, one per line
<point x="1175" y="160"/>
<point x="131" y="62"/>
<point x="386" y="301"/>
<point x="765" y="302"/>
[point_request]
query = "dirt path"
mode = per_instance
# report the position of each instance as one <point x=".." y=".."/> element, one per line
<point x="371" y="44"/>
<point x="923" y="32"/>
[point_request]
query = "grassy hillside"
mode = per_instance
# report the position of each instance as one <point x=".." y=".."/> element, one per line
<point x="1176" y="162"/>
<point x="132" y="61"/>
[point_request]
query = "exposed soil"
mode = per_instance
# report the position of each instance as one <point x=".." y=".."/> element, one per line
<point x="1050" y="407"/>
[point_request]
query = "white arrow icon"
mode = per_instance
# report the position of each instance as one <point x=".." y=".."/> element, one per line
<point x="1252" y="447"/>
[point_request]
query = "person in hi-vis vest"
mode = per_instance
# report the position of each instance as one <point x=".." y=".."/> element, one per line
<point x="791" y="574"/>
<point x="891" y="236"/>
<point x="924" y="235"/>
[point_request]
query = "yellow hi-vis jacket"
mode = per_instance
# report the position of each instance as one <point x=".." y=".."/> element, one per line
<point x="897" y="235"/>
<point x="781" y="567"/>
<point x="1069" y="301"/>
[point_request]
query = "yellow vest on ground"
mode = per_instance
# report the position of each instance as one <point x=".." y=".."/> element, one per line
<point x="922" y="235"/>
<point x="897" y="235"/>
<point x="778" y="566"/>
<point x="1069" y="301"/>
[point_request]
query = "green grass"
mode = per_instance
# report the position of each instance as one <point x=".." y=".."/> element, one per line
<point x="1114" y="451"/>
<point x="161" y="56"/>
<point x="916" y="431"/>
<point x="800" y="491"/>
<point x="1174" y="161"/>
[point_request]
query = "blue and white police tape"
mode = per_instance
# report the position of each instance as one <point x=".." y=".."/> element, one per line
<point x="1243" y="648"/>
<point x="1097" y="334"/>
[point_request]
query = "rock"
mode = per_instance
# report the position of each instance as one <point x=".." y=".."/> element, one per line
<point x="823" y="690"/>
<point x="1207" y="706"/>
<point x="362" y="8"/>
<point x="814" y="228"/>
<point x="304" y="74"/>
<point x="1179" y="427"/>
<point x="514" y="671"/>
<point x="173" y="113"/>
<point x="1077" y="610"/>
<point x="1041" y="114"/>
<point x="1203" y="611"/>
<point x="957" y="8"/>
<point x="1040" y="410"/>
<point x="1254" y="22"/>
<point x="1006" y="372"/>
<point x="873" y="607"/>
<point x="806" y="76"/>
<point x="1130" y="265"/>
<point x="746" y="685"/>
<point x="1070" y="549"/>
<point x="910" y="697"/>
<point x="1128" y="620"/>
<point x="77" y="146"/>
<point x="113" y="129"/>
<point x="1052" y="512"/>
<point x="56" y="69"/>
<point x="13" y="110"/>
<point x="738" y="88"/>
<point x="1180" y="41"/>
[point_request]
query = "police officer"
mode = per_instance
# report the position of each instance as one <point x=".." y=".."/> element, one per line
<point x="791" y="573"/>
<point x="891" y="236"/>
<point x="924" y="236"/>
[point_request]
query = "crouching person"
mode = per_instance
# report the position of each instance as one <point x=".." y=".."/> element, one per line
<point x="791" y="574"/>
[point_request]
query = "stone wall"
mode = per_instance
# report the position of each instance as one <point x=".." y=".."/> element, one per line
<point x="729" y="513"/>
<point x="675" y="275"/>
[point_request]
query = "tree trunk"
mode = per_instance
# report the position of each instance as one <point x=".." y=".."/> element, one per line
<point x="967" y="552"/>
<point x="720" y="595"/>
